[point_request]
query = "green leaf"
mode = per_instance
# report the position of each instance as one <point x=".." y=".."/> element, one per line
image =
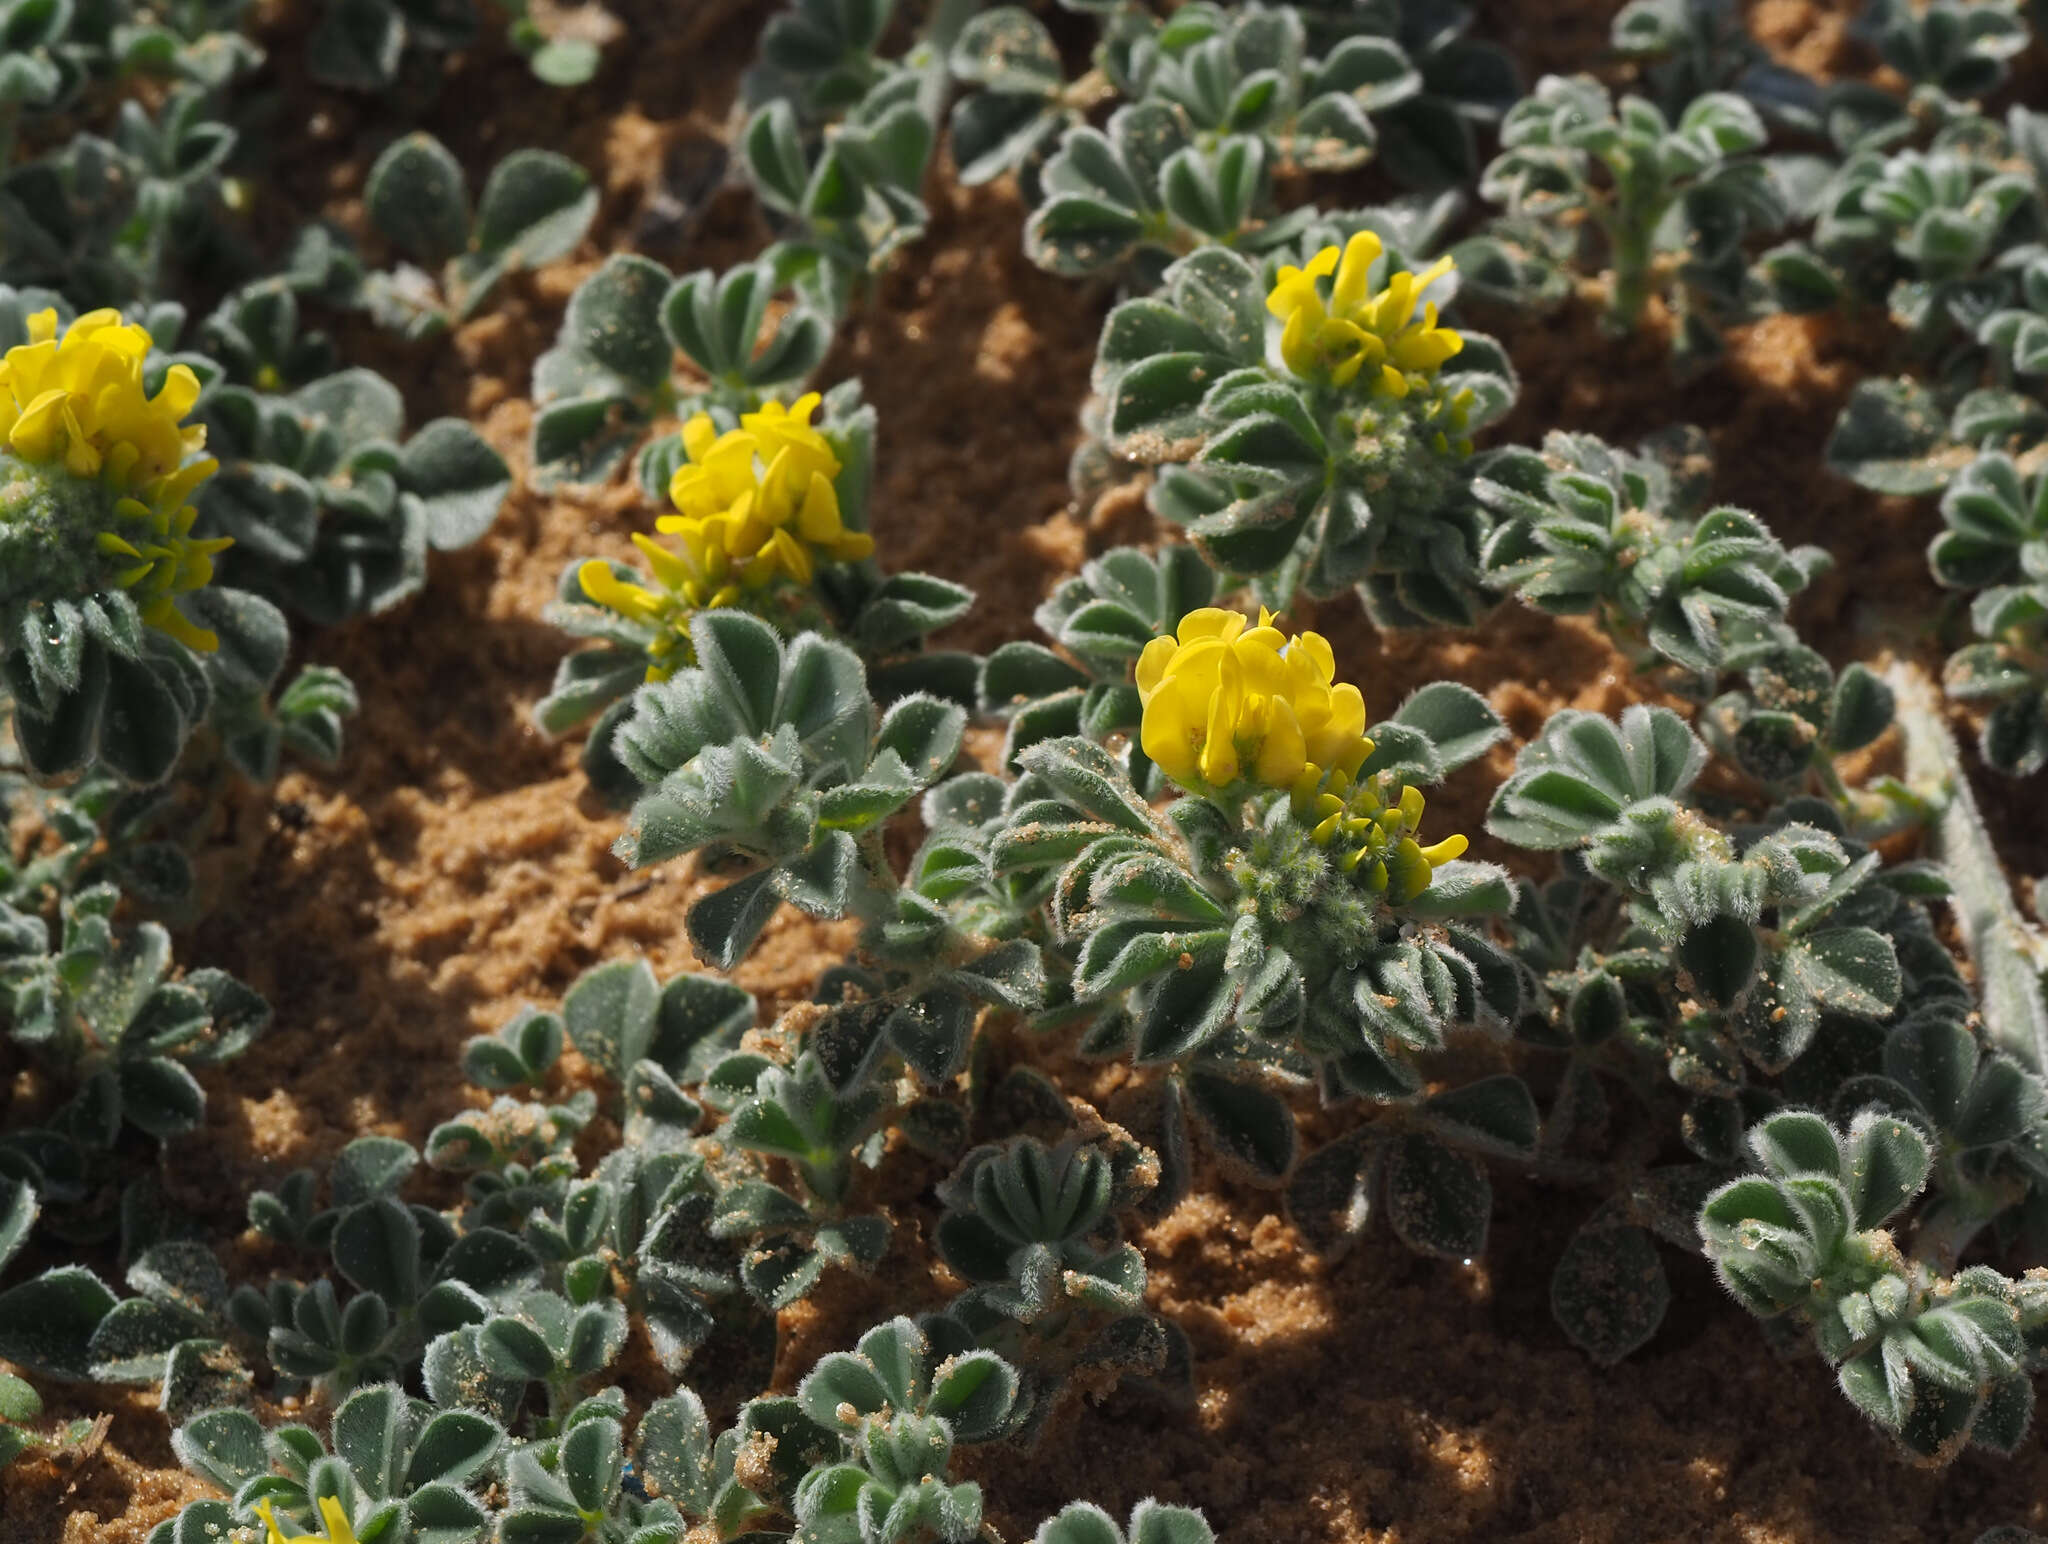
<point x="1439" y="1201"/>
<point x="370" y="1436"/>
<point x="672" y="1452"/>
<point x="534" y="210"/>
<point x="1076" y="234"/>
<point x="926" y="733"/>
<point x="1251" y="1126"/>
<point x="1794" y="1142"/>
<point x="418" y="200"/>
<point x="17" y="1215"/>
<point x="1609" y="1292"/>
<point x="46" y="1322"/>
<point x="821" y="880"/>
<point x="1459" y="722"/>
<point x="223" y="1446"/>
<point x="1720" y="957"/>
<point x="369" y="1167"/>
<point x="357" y="45"/>
<point x="593" y="1458"/>
<point x="377" y="1247"/>
<point x="1852" y="970"/>
<point x="1152" y="1523"/>
<point x="1888" y="1163"/>
<point x="455" y="479"/>
<point x="1862" y="709"/>
<point x="1081" y="1522"/>
<point x="1887" y="436"/>
<point x="610" y="1014"/>
<point x="1091" y="780"/>
<point x="1495" y="1115"/>
<point x="614" y="320"/>
<point x="724" y="924"/>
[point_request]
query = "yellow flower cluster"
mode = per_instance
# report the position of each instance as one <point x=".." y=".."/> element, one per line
<point x="80" y="402"/>
<point x="1229" y="704"/>
<point x="1374" y="821"/>
<point x="339" y="1530"/>
<point x="1226" y="703"/>
<point x="754" y="505"/>
<point x="1334" y="339"/>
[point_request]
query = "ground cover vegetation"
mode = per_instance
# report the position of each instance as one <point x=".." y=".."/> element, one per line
<point x="1751" y="989"/>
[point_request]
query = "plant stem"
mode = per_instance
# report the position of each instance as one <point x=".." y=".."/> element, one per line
<point x="2008" y="952"/>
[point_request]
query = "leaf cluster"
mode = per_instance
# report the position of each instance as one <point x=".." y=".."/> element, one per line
<point x="1299" y="487"/>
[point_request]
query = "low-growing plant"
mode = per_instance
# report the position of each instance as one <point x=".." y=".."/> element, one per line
<point x="1316" y="87"/>
<point x="1688" y="48"/>
<point x="1101" y="620"/>
<point x="849" y="201"/>
<point x="536" y="207"/>
<point x="1131" y="197"/>
<point x="1960" y="49"/>
<point x="1311" y="429"/>
<point x="330" y="507"/>
<point x="1997" y="524"/>
<point x="611" y="372"/>
<point x="369" y="45"/>
<point x="1762" y="960"/>
<point x="1672" y="201"/>
<point x="770" y="519"/>
<point x="1936" y="1357"/>
<point x="1947" y="239"/>
<point x="115" y="645"/>
<point x="1586" y="530"/>
<point x="23" y="1427"/>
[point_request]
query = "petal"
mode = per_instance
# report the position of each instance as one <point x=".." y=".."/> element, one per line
<point x="699" y="435"/>
<point x="338" y="1527"/>
<point x="1443" y="852"/>
<point x="1152" y="665"/>
<point x="670" y="569"/>
<point x="1298" y="341"/>
<point x="1314" y="649"/>
<point x="1347" y="713"/>
<point x="1286" y="295"/>
<point x="852" y="546"/>
<point x="37" y="433"/>
<point x="164" y="615"/>
<point x="1353" y="281"/>
<point x="1210" y="622"/>
<point x="1282" y="752"/>
<point x="792" y="556"/>
<point x="1219" y="762"/>
<point x="180" y="391"/>
<point x="818" y="518"/>
<point x="1167" y="734"/>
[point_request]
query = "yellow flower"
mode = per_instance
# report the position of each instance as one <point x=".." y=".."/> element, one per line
<point x="755" y="504"/>
<point x="698" y="578"/>
<point x="80" y="403"/>
<point x="331" y="1514"/>
<point x="761" y="498"/>
<point x="1373" y="821"/>
<point x="1226" y="703"/>
<point x="1334" y="339"/>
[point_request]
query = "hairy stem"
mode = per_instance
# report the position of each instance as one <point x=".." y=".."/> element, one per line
<point x="2009" y="953"/>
